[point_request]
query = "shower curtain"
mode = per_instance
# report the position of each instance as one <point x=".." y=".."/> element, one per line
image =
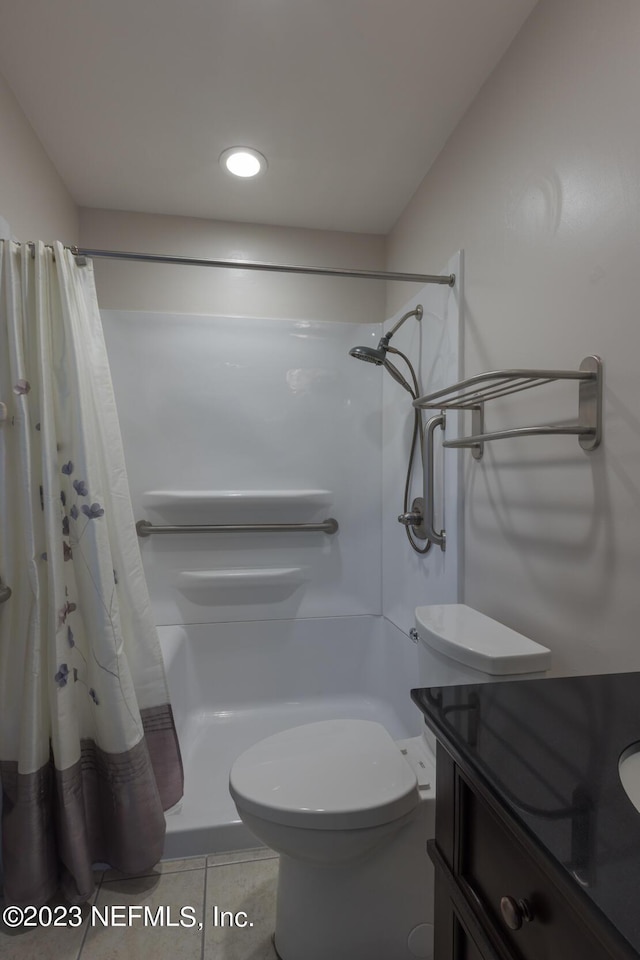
<point x="89" y="757"/>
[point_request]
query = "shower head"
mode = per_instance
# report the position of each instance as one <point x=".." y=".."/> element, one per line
<point x="378" y="355"/>
<point x="369" y="354"/>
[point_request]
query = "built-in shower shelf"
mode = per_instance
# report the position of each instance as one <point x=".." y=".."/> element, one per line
<point x="242" y="577"/>
<point x="225" y="499"/>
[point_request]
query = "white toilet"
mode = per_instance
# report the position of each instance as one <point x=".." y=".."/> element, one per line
<point x="349" y="809"/>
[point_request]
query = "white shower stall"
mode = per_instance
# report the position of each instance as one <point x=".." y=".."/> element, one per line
<point x="248" y="420"/>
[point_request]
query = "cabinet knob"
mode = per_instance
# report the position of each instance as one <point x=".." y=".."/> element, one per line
<point x="515" y="912"/>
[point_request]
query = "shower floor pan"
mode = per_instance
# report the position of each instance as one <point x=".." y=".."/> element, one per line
<point x="233" y="684"/>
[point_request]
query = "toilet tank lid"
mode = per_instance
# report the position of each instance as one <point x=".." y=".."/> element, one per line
<point x="469" y="637"/>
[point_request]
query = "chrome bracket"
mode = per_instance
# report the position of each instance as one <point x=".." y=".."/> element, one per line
<point x="590" y="404"/>
<point x="477" y="427"/>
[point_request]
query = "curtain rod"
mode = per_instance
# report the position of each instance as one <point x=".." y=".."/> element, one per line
<point x="448" y="279"/>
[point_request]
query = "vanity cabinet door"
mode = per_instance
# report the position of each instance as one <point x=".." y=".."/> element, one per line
<point x="468" y="949"/>
<point x="520" y="900"/>
<point x="460" y="933"/>
<point x="464" y="946"/>
<point x="494" y="899"/>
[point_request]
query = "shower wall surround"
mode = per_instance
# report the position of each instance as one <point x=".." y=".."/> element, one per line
<point x="247" y="420"/>
<point x="210" y="404"/>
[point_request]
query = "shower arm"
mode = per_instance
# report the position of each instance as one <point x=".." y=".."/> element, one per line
<point x="391" y="368"/>
<point x="417" y="313"/>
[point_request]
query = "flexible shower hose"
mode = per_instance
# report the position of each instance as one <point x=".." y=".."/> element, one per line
<point x="414" y="441"/>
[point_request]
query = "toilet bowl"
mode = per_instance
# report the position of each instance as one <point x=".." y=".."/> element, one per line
<point x="341" y="804"/>
<point x="349" y="810"/>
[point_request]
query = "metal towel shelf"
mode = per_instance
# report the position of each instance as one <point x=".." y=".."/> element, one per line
<point x="472" y="393"/>
<point x="144" y="528"/>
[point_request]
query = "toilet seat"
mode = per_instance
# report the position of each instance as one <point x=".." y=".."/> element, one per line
<point x="331" y="775"/>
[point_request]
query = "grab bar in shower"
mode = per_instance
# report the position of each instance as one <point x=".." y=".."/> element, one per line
<point x="144" y="528"/>
<point x="429" y="480"/>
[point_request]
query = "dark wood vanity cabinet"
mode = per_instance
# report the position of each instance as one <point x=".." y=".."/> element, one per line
<point x="497" y="895"/>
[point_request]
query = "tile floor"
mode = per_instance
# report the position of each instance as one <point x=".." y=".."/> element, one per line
<point x="243" y="881"/>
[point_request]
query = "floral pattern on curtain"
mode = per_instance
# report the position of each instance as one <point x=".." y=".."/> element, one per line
<point x="89" y="757"/>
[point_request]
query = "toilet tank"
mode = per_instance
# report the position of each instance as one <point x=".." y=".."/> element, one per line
<point x="457" y="644"/>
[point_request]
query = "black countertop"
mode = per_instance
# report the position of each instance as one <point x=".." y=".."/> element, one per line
<point x="548" y="751"/>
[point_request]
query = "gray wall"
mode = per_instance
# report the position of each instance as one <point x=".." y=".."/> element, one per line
<point x="180" y="289"/>
<point x="33" y="199"/>
<point x="540" y="185"/>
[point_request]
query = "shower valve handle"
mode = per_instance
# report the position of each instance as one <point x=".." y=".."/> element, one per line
<point x="413" y="519"/>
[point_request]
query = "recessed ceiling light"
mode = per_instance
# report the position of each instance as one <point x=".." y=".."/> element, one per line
<point x="243" y="162"/>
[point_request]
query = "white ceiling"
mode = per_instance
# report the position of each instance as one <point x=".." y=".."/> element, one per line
<point x="350" y="100"/>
